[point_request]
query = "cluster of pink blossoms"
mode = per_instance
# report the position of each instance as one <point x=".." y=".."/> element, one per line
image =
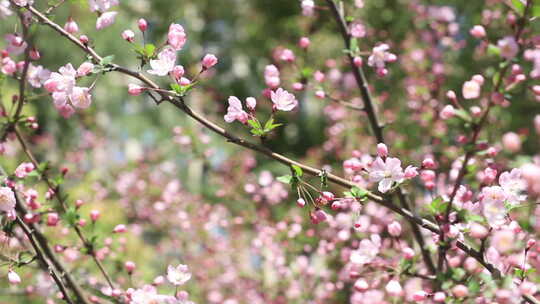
<point x="66" y="95"/>
<point x="165" y="63"/>
<point x="509" y="191"/>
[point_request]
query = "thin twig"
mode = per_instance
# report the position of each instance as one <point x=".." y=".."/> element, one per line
<point x="376" y="127"/>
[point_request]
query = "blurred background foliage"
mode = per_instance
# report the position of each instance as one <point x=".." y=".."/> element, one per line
<point x="243" y="35"/>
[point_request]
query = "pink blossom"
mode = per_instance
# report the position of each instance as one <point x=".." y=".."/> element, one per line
<point x="15" y="44"/>
<point x="71" y="26"/>
<point x="382" y="150"/>
<point x="101" y="5"/>
<point x="165" y="62"/>
<point x="9" y="67"/>
<point x="513" y="186"/>
<point x="380" y="55"/>
<point x="308" y="7"/>
<point x="121" y="228"/>
<point x="283" y="100"/>
<point x="493" y="204"/>
<point x="135" y="89"/>
<point x="128" y="35"/>
<point x="410" y="172"/>
<point x="478" y="231"/>
<point x="503" y="240"/>
<point x="52" y="219"/>
<point x="177" y="72"/>
<point x="235" y="111"/>
<point x="304" y="42"/>
<point x="358" y="61"/>
<point x="386" y="172"/>
<point x="287" y="55"/>
<point x="130" y="266"/>
<point x="508" y="46"/>
<point x="271" y="76"/>
<point x="460" y="291"/>
<point x="13" y="278"/>
<point x="511" y="142"/>
<point x="178" y="275"/>
<point x="209" y="61"/>
<point x="448" y="112"/>
<point x="394" y="288"/>
<point x="478" y="32"/>
<point x="7" y="200"/>
<point x="142" y="24"/>
<point x="4" y="9"/>
<point x="23" y="169"/>
<point x="300" y="202"/>
<point x="251" y="103"/>
<point x="471" y="90"/>
<point x="105" y="20"/>
<point x="176" y="37"/>
<point x="85" y="68"/>
<point x="80" y="97"/>
<point x="420" y="296"/>
<point x="357" y="30"/>
<point x="367" y="251"/>
<point x="37" y="75"/>
<point x="394" y="229"/>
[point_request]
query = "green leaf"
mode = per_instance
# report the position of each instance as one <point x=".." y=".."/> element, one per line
<point x="458" y="274"/>
<point x="149" y="50"/>
<point x="255" y="124"/>
<point x="354" y="46"/>
<point x="493" y="50"/>
<point x="437" y="206"/>
<point x="176" y="88"/>
<point x="357" y="192"/>
<point x="461" y="113"/>
<point x="518" y="6"/>
<point x="307" y="72"/>
<point x="107" y="60"/>
<point x="473" y="286"/>
<point x="286" y="179"/>
<point x="298" y="172"/>
<point x="71" y="216"/>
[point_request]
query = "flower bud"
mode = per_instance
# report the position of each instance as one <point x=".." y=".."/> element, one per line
<point x="84" y="39"/>
<point x="382" y="150"/>
<point x="134" y="89"/>
<point x="320" y="94"/>
<point x="448" y="112"/>
<point x="142" y="24"/>
<point x="358" y="61"/>
<point x="361" y="285"/>
<point x="304" y="42"/>
<point x="130" y="267"/>
<point x="52" y="219"/>
<point x="94" y="215"/>
<point x="209" y="60"/>
<point x="428" y="163"/>
<point x="478" y="231"/>
<point x="71" y="26"/>
<point x="460" y="291"/>
<point x="478" y="32"/>
<point x="420" y="296"/>
<point x="34" y="54"/>
<point x="128" y="35"/>
<point x="439" y="296"/>
<point x="408" y="253"/>
<point x="251" y="103"/>
<point x="120" y="228"/>
<point x="394" y="229"/>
